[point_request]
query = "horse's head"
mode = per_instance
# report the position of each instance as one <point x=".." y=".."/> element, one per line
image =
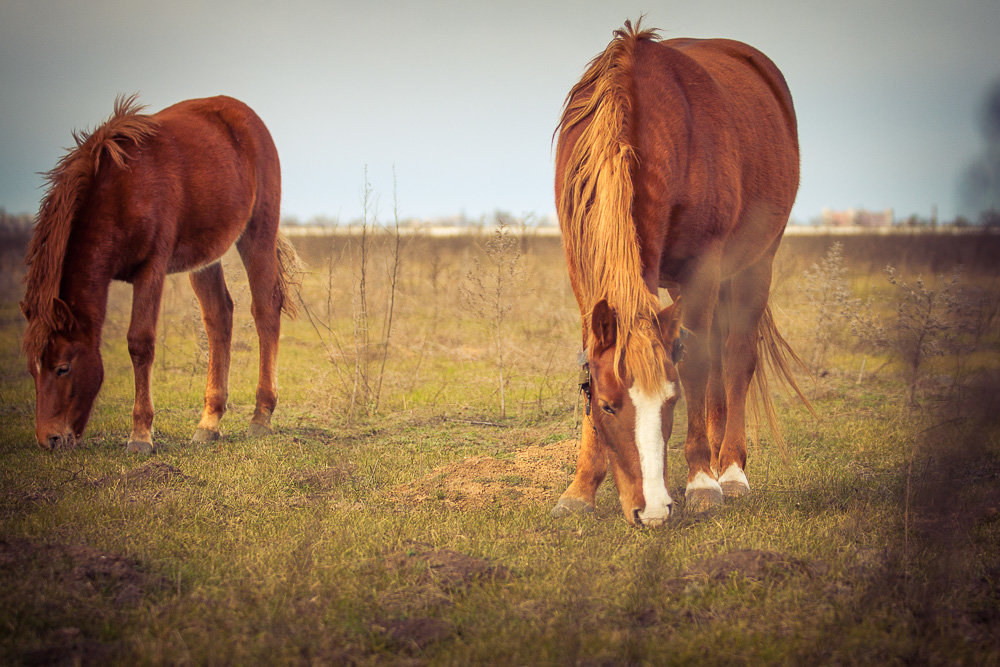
<point x="68" y="373"/>
<point x="633" y="423"/>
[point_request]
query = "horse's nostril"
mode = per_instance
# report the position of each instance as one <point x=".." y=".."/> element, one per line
<point x="636" y="519"/>
<point x="54" y="441"/>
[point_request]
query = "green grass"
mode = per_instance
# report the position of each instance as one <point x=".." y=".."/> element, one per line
<point x="874" y="542"/>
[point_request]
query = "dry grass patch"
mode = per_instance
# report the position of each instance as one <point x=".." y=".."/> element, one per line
<point x="436" y="579"/>
<point x="535" y="474"/>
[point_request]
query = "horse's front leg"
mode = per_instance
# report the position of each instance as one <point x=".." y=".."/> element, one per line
<point x="147" y="291"/>
<point x="591" y="468"/>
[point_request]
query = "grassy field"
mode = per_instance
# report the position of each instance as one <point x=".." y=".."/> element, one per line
<point x="396" y="517"/>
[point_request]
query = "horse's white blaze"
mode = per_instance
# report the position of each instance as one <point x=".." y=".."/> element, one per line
<point x="734" y="474"/>
<point x="649" y="441"/>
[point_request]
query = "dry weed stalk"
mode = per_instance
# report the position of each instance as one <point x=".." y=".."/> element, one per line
<point x="361" y="387"/>
<point x="392" y="271"/>
<point x="360" y="370"/>
<point x="489" y="290"/>
<point x="828" y="293"/>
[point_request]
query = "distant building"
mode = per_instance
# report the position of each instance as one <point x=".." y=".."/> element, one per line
<point x="854" y="217"/>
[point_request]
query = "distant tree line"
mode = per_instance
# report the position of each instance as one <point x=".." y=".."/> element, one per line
<point x="15" y="228"/>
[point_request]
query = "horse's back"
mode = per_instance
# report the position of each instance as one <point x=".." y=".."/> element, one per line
<point x="740" y="69"/>
<point x="207" y="138"/>
<point x="211" y="168"/>
<point x="220" y="115"/>
<point x="717" y="148"/>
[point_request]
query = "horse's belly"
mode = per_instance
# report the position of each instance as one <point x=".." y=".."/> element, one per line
<point x="199" y="247"/>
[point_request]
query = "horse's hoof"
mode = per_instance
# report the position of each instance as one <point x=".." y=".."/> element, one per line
<point x="256" y="430"/>
<point x="204" y="435"/>
<point x="140" y="447"/>
<point x="735" y="489"/>
<point x="703" y="499"/>
<point x="734" y="482"/>
<point x="569" y="506"/>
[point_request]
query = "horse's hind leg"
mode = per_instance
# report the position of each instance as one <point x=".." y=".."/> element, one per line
<point x="715" y="399"/>
<point x="147" y="292"/>
<point x="260" y="256"/>
<point x="701" y="294"/>
<point x="209" y="286"/>
<point x="749" y="299"/>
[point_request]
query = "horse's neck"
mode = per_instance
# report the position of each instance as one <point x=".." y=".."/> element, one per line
<point x="84" y="288"/>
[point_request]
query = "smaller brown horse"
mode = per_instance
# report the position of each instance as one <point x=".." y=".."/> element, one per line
<point x="138" y="198"/>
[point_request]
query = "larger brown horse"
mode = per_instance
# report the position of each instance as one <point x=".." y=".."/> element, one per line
<point x="677" y="164"/>
<point x="138" y="198"/>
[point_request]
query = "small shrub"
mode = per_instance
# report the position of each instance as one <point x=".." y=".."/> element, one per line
<point x="828" y="294"/>
<point x="925" y="324"/>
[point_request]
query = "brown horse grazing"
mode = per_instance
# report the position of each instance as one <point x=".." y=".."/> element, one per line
<point x="676" y="166"/>
<point x="138" y="198"/>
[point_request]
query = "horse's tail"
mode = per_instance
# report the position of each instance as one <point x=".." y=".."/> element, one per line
<point x="774" y="357"/>
<point x="290" y="271"/>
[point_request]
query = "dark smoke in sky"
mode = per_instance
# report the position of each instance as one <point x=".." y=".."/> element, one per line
<point x="980" y="184"/>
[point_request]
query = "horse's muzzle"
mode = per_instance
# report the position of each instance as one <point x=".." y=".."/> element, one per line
<point x="58" y="441"/>
<point x="652" y="521"/>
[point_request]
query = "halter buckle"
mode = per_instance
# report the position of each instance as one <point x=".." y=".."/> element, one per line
<point x="581" y="359"/>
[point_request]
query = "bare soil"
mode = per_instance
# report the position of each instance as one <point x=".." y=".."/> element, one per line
<point x="81" y="569"/>
<point x="535" y="474"/>
<point x="753" y="564"/>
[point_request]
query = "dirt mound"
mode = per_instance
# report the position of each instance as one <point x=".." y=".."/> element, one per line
<point x="753" y="564"/>
<point x="71" y="592"/>
<point x="435" y="579"/>
<point x="535" y="474"/>
<point x="322" y="480"/>
<point x="81" y="570"/>
<point x="153" y="472"/>
<point x="16" y="499"/>
<point x="444" y="569"/>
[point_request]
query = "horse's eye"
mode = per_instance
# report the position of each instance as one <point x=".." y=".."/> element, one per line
<point x="607" y="408"/>
<point x="62" y="369"/>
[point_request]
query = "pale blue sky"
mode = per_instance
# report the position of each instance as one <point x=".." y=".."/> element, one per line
<point x="462" y="97"/>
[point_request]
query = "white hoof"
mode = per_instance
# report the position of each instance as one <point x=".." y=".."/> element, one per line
<point x="702" y="493"/>
<point x="734" y="482"/>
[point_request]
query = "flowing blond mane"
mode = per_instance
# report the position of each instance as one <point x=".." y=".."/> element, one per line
<point x="595" y="210"/>
<point x="68" y="183"/>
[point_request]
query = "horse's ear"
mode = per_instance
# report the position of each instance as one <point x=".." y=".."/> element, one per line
<point x="604" y="325"/>
<point x="25" y="310"/>
<point x="63" y="315"/>
<point x="669" y="320"/>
